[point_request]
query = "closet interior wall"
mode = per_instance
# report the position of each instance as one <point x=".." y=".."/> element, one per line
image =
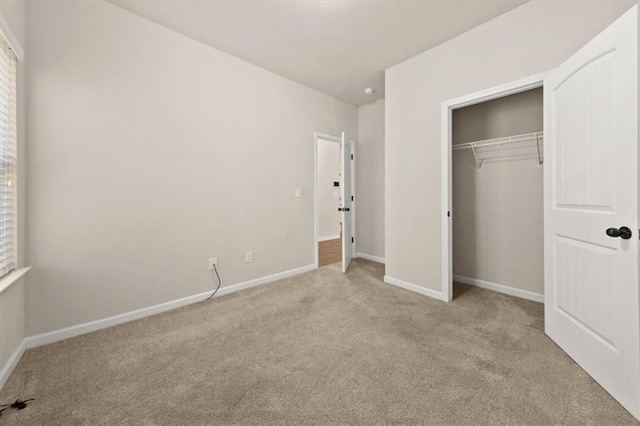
<point x="498" y="210"/>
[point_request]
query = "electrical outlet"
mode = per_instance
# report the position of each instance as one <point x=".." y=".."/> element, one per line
<point x="248" y="257"/>
<point x="213" y="261"/>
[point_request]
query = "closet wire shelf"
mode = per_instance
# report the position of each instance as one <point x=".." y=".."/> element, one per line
<point x="517" y="147"/>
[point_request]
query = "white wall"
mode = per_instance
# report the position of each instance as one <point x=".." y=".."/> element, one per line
<point x="328" y="195"/>
<point x="498" y="210"/>
<point x="148" y="154"/>
<point x="370" y="180"/>
<point x="533" y="38"/>
<point x="12" y="301"/>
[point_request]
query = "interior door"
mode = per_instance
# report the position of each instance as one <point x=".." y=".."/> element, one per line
<point x="346" y="193"/>
<point x="591" y="209"/>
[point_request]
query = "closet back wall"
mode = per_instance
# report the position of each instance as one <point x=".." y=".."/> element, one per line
<point x="498" y="211"/>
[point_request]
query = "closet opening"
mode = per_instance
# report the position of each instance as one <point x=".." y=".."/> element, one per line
<point x="493" y="233"/>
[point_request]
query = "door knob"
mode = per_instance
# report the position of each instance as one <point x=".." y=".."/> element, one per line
<point x="623" y="232"/>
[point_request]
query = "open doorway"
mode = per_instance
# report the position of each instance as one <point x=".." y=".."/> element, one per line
<point x="493" y="148"/>
<point x="328" y="202"/>
<point x="334" y="188"/>
<point x="497" y="195"/>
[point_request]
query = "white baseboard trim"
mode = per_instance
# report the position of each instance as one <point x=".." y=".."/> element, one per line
<point x="330" y="237"/>
<point x="415" y="288"/>
<point x="370" y="257"/>
<point x="88" y="327"/>
<point x="11" y="363"/>
<point x="536" y="297"/>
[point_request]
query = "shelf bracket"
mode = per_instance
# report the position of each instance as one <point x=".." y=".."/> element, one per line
<point x="475" y="156"/>
<point x="540" y="161"/>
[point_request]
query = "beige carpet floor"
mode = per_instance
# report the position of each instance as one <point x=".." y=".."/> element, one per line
<point x="317" y="348"/>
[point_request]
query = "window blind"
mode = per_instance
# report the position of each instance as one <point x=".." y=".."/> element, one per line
<point x="8" y="159"/>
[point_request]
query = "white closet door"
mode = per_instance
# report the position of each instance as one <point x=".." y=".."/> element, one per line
<point x="591" y="209"/>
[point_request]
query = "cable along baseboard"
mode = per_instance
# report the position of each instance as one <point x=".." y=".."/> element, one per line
<point x="518" y="147"/>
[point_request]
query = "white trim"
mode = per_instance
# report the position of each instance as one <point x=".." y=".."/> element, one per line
<point x="500" y="288"/>
<point x="11" y="363"/>
<point x="76" y="330"/>
<point x="447" y="229"/>
<point x="316" y="204"/>
<point x="348" y="158"/>
<point x="503" y="90"/>
<point x="12" y="277"/>
<point x="370" y="257"/>
<point x="330" y="237"/>
<point x="415" y="288"/>
<point x="355" y="198"/>
<point x="14" y="44"/>
<point x="507" y="89"/>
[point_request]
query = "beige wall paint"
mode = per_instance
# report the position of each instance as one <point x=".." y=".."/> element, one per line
<point x="370" y="180"/>
<point x="328" y="195"/>
<point x="12" y="301"/>
<point x="512" y="115"/>
<point x="533" y="38"/>
<point x="498" y="211"/>
<point x="149" y="153"/>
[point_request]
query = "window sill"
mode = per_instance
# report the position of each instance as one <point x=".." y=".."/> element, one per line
<point x="13" y="276"/>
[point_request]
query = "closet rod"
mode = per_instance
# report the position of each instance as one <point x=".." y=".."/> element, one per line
<point x="499" y="141"/>
<point x="492" y="145"/>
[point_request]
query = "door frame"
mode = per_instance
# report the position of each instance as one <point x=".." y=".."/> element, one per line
<point x="511" y="88"/>
<point x="331" y="138"/>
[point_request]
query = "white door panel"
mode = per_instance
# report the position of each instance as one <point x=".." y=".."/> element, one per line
<point x="591" y="184"/>
<point x="346" y="192"/>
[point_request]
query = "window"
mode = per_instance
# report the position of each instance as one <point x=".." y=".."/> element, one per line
<point x="8" y="158"/>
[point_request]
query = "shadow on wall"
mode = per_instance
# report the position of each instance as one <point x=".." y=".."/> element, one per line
<point x="464" y="204"/>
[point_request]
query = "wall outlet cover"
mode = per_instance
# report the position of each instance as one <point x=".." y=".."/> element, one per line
<point x="213" y="261"/>
<point x="248" y="257"/>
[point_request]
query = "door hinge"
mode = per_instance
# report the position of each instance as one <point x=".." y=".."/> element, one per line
<point x="448" y="214"/>
<point x="352" y="198"/>
<point x="352" y="240"/>
<point x="352" y="156"/>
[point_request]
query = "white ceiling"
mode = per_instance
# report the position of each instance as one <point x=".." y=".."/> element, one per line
<point x="336" y="47"/>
